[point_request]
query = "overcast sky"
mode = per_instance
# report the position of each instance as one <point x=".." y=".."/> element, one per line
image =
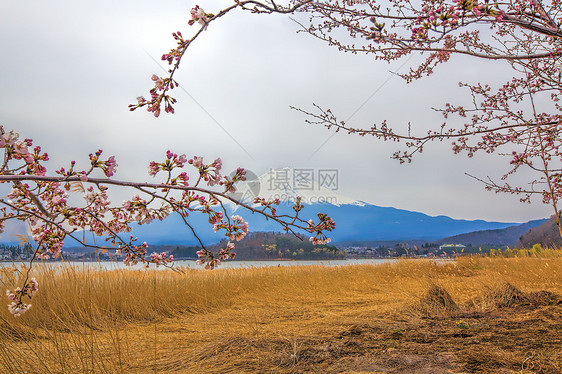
<point x="70" y="68"/>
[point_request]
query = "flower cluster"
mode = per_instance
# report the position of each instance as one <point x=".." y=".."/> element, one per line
<point x="209" y="173"/>
<point x="210" y="260"/>
<point x="139" y="210"/>
<point x="238" y="229"/>
<point x="16" y="306"/>
<point x="19" y="150"/>
<point x="229" y="183"/>
<point x="158" y="96"/>
<point x="325" y="224"/>
<point x="175" y="53"/>
<point x="198" y="15"/>
<point x="136" y="253"/>
<point x="267" y="204"/>
<point x="172" y="161"/>
<point x="108" y="167"/>
<point x="161" y="258"/>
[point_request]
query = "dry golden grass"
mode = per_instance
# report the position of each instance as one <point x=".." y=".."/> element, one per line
<point x="277" y="319"/>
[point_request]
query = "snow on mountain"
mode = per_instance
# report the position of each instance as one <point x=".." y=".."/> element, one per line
<point x="355" y="220"/>
<point x="313" y="186"/>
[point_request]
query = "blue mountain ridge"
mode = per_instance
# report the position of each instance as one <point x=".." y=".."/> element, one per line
<point x="353" y="222"/>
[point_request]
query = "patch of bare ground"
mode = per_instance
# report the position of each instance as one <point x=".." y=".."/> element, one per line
<point x="504" y="331"/>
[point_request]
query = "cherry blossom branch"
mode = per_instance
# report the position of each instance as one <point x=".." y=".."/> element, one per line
<point x="162" y="85"/>
<point x="141" y="185"/>
<point x="43" y="201"/>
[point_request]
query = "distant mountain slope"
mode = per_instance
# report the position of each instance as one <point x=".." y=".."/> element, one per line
<point x="355" y="220"/>
<point x="508" y="236"/>
<point x="371" y="222"/>
<point x="546" y="235"/>
<point x="353" y="223"/>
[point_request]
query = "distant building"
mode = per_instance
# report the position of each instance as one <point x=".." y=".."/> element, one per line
<point x="452" y="247"/>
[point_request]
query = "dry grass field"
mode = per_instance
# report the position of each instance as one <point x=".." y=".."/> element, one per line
<point x="472" y="315"/>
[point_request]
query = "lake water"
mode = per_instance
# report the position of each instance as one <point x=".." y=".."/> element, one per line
<point x="109" y="265"/>
<point x="223" y="265"/>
